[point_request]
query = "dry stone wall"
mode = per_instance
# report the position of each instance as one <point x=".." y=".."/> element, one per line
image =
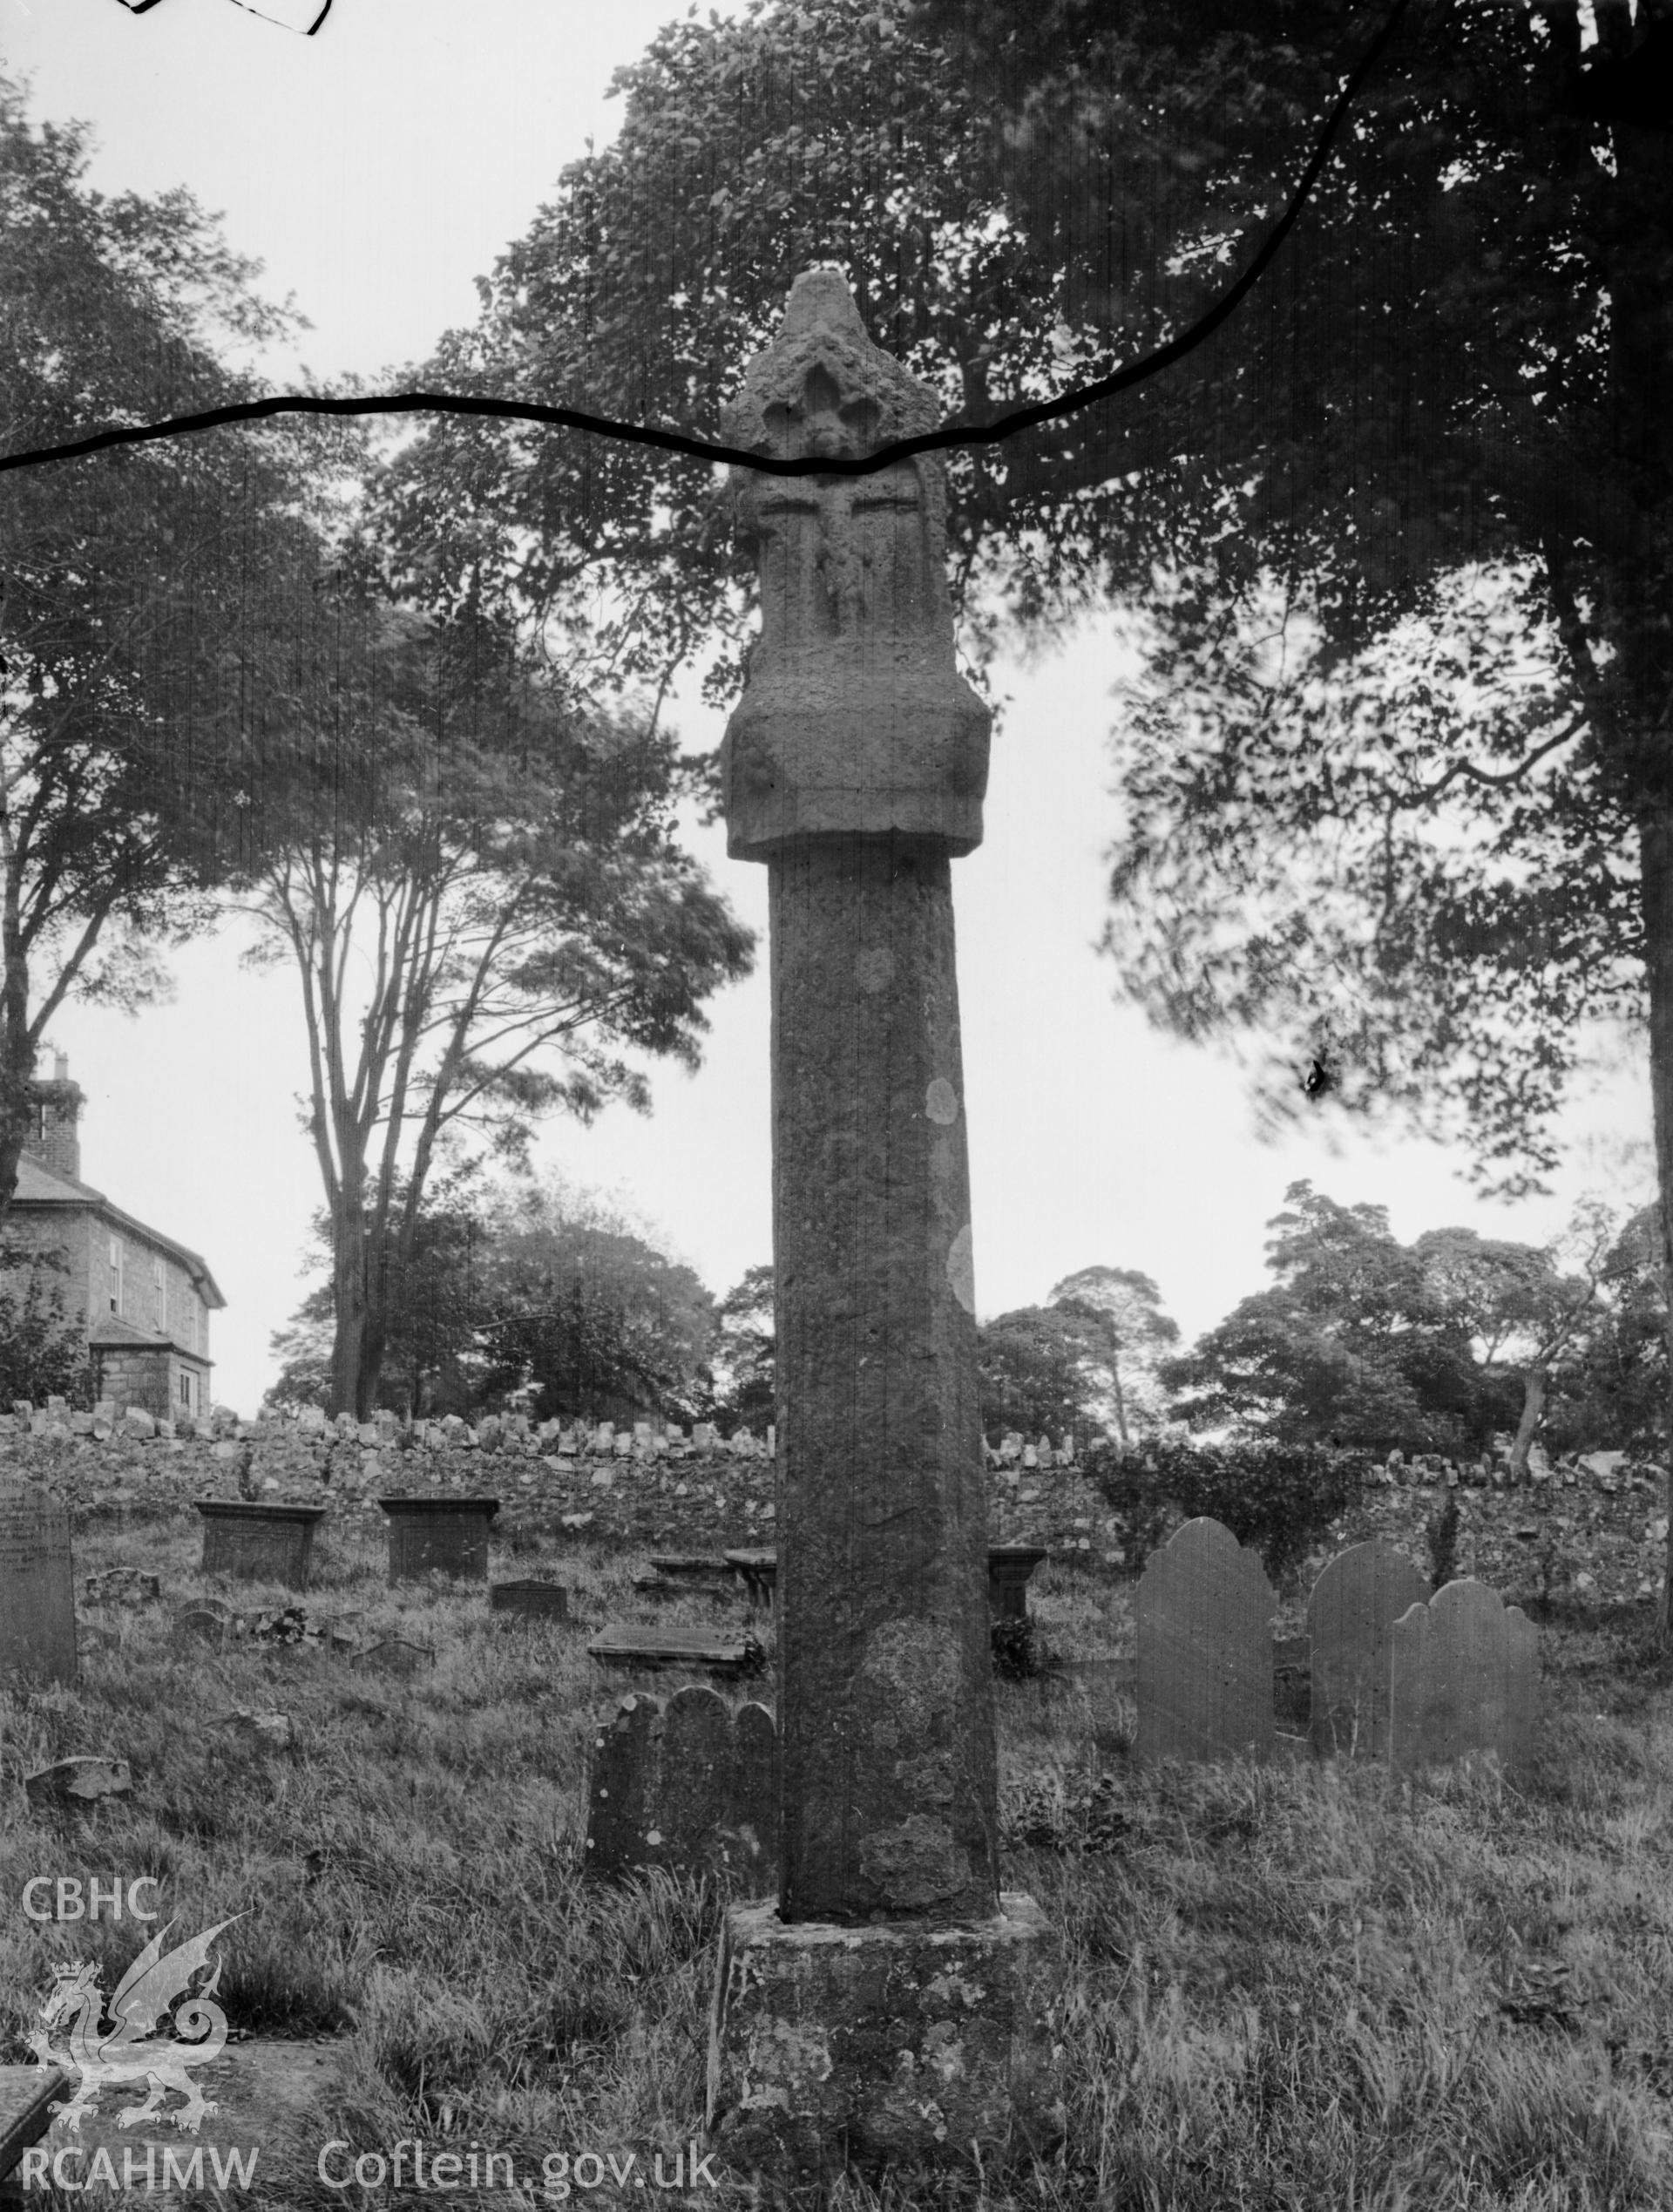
<point x="1592" y="1529"/>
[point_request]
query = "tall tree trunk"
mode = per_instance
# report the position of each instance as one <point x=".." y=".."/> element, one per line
<point x="1533" y="1406"/>
<point x="348" y="1302"/>
<point x="1655" y="859"/>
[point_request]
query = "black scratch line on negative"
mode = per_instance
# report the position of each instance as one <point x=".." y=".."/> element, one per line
<point x="946" y="440"/>
<point x="144" y="7"/>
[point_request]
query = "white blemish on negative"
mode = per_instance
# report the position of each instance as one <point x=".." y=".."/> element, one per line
<point x="961" y="1269"/>
<point x="941" y="1101"/>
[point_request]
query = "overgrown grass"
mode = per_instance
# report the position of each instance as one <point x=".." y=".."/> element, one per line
<point x="1273" y="1987"/>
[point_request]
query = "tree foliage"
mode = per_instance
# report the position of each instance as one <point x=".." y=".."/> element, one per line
<point x="495" y="932"/>
<point x="1362" y="1342"/>
<point x="1136" y="1330"/>
<point x="42" y="1347"/>
<point x="1041" y="1370"/>
<point x="135" y="589"/>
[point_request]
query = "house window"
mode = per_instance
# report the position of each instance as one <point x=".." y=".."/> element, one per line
<point x="115" y="1274"/>
<point x="188" y="1391"/>
<point x="159" y="1294"/>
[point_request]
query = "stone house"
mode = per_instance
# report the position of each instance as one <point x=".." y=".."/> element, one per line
<point x="143" y="1299"/>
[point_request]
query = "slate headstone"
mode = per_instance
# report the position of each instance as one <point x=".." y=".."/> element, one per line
<point x="529" y="1601"/>
<point x="755" y="1800"/>
<point x="1464" y="1679"/>
<point x="1351" y="1617"/>
<point x="1204" y="1649"/>
<point x="622" y="1790"/>
<point x="694" y="1798"/>
<point x="38" y="1588"/>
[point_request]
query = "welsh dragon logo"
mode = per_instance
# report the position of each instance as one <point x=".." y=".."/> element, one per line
<point x="127" y="2051"/>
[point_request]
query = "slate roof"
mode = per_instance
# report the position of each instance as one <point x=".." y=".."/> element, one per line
<point x="40" y="1186"/>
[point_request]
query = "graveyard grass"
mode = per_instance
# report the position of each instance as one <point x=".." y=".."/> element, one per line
<point x="1281" y="1986"/>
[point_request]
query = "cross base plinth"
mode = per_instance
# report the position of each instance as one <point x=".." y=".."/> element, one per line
<point x="900" y="2044"/>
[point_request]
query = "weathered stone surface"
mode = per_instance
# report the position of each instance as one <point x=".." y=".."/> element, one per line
<point x="1463" y="1680"/>
<point x="530" y="1601"/>
<point x="37" y="1587"/>
<point x="1351" y="1617"/>
<point x="447" y="1534"/>
<point x="685" y="1786"/>
<point x="854" y="718"/>
<point x="622" y="1794"/>
<point x="1204" y="1649"/>
<point x="25" y="2094"/>
<point x="77" y="1782"/>
<point x="755" y="1802"/>
<point x="697" y="1781"/>
<point x="658" y="1649"/>
<point x="259" y="1542"/>
<point x="876" y="2046"/>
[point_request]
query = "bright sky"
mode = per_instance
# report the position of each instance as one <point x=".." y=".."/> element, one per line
<point x="377" y="169"/>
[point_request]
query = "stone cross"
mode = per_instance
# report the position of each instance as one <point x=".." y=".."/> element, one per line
<point x="854" y="766"/>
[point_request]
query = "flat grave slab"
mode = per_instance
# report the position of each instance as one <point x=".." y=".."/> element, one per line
<point x="26" y="2093"/>
<point x="661" y="1648"/>
<point x="269" y="2097"/>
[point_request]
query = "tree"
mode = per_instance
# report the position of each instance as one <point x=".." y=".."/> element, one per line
<point x="1608" y="1391"/>
<point x="480" y="939"/>
<point x="1041" y="1370"/>
<point x="1423" y="844"/>
<point x="43" y="1351"/>
<point x="746" y="1348"/>
<point x="432" y="1359"/>
<point x="1136" y="1330"/>
<point x="1456" y="363"/>
<point x="1348" y="1347"/>
<point x="1515" y="1300"/>
<point x="135" y="590"/>
<point x="582" y="1316"/>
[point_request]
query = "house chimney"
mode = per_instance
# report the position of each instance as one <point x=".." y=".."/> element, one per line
<point x="51" y="1134"/>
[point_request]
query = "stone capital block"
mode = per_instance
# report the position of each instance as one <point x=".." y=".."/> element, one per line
<point x="854" y="720"/>
<point x="869" y="2046"/>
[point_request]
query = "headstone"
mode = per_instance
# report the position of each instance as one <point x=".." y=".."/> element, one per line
<point x="695" y="1802"/>
<point x="683" y="1785"/>
<point x="757" y="1799"/>
<point x="1351" y="1617"/>
<point x="76" y="1784"/>
<point x="449" y="1534"/>
<point x="620" y="1796"/>
<point x="259" y="1542"/>
<point x="1204" y="1649"/>
<point x="530" y="1601"/>
<point x="1463" y="1680"/>
<point x="37" y="1587"/>
<point x="208" y="1624"/>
